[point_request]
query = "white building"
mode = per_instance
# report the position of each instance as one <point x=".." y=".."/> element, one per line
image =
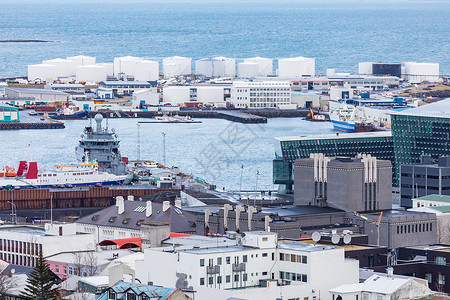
<point x="42" y="72"/>
<point x="258" y="267"/>
<point x="305" y="99"/>
<point x="176" y="65"/>
<point x="383" y="287"/>
<point x="124" y="87"/>
<point x="265" y="65"/>
<point x="146" y="70"/>
<point x="212" y="94"/>
<point x="260" y="94"/>
<point x="38" y="94"/>
<point x="216" y="67"/>
<point x="296" y="67"/>
<point x="419" y="72"/>
<point x="21" y="244"/>
<point x="176" y="94"/>
<point x="145" y="97"/>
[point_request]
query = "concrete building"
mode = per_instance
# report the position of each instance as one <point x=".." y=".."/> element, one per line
<point x="21" y="244"/>
<point x="419" y="72"/>
<point x="386" y="69"/>
<point x="260" y="94"/>
<point x="431" y="201"/>
<point x="365" y="82"/>
<point x="38" y="94"/>
<point x="296" y="67"/>
<point x="382" y="287"/>
<point x="125" y="219"/>
<point x="310" y="84"/>
<point x="351" y="184"/>
<point x="257" y="267"/>
<point x="305" y="100"/>
<point x="146" y="97"/>
<point x="426" y="178"/>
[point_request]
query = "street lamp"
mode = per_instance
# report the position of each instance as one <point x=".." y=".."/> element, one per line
<point x="240" y="181"/>
<point x="13" y="215"/>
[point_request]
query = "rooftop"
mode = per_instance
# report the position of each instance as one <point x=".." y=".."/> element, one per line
<point x="151" y="291"/>
<point x="435" y="198"/>
<point x="123" y="82"/>
<point x="304" y="246"/>
<point x="438" y="109"/>
<point x="38" y="91"/>
<point x="31" y="230"/>
<point x="357" y="135"/>
<point x="291" y="210"/>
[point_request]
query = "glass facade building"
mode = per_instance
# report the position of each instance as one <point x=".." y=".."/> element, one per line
<point x="378" y="144"/>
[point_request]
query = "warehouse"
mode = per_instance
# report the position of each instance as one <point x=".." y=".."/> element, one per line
<point x="38" y="94"/>
<point x="418" y="72"/>
<point x="9" y="113"/>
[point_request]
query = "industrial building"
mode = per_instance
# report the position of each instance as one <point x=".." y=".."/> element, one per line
<point x="258" y="267"/>
<point x="64" y="67"/>
<point x="386" y="69"/>
<point x="216" y="67"/>
<point x="38" y="94"/>
<point x="426" y="178"/>
<point x="176" y="65"/>
<point x="305" y="99"/>
<point x="310" y="84"/>
<point x="296" y="67"/>
<point x="418" y="131"/>
<point x="362" y="183"/>
<point x="419" y="72"/>
<point x="260" y="94"/>
<point x="9" y="113"/>
<point x="145" y="97"/>
<point x="125" y="87"/>
<point x="378" y="144"/>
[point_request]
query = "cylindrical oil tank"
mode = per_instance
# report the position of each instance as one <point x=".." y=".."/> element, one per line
<point x="109" y="68"/>
<point x="216" y="67"/>
<point x="125" y="65"/>
<point x="64" y="67"/>
<point x="42" y="72"/>
<point x="176" y="65"/>
<point x="94" y="73"/>
<point x="146" y="70"/>
<point x="296" y="67"/>
<point x="265" y="65"/>
<point x="248" y="70"/>
<point x="82" y="60"/>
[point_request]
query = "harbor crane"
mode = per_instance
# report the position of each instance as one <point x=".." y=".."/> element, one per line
<point x="370" y="221"/>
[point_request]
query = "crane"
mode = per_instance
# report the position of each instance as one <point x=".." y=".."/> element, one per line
<point x="370" y="221"/>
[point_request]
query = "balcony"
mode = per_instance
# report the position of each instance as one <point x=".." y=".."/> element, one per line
<point x="212" y="269"/>
<point x="239" y="267"/>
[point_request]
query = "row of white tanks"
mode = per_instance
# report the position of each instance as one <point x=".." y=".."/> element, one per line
<point x="85" y="68"/>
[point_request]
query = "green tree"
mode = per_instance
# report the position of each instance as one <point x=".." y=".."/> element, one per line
<point x="41" y="284"/>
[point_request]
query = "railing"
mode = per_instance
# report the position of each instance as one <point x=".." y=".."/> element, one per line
<point x="239" y="267"/>
<point x="213" y="270"/>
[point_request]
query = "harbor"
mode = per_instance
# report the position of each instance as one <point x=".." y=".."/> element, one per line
<point x="27" y="121"/>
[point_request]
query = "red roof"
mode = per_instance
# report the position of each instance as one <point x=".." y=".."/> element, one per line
<point x="175" y="234"/>
<point x="123" y="243"/>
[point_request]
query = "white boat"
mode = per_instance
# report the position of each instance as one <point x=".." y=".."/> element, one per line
<point x="83" y="174"/>
<point x="349" y="118"/>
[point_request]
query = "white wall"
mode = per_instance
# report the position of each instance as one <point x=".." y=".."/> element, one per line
<point x="296" y="67"/>
<point x="176" y="94"/>
<point x="210" y="94"/>
<point x="365" y="68"/>
<point x="146" y="70"/>
<point x="176" y="65"/>
<point x="82" y="60"/>
<point x="150" y="97"/>
<point x="248" y="70"/>
<point x="94" y="73"/>
<point x="44" y="72"/>
<point x="418" y="72"/>
<point x="64" y="67"/>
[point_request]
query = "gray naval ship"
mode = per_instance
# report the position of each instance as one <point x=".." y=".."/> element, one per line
<point x="101" y="145"/>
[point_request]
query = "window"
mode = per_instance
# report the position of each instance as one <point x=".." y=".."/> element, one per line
<point x="219" y="261"/>
<point x="244" y="277"/>
<point x="441" y="279"/>
<point x="264" y="273"/>
<point x="440" y="260"/>
<point x="264" y="239"/>
<point x="228" y="278"/>
<point x="273" y="255"/>
<point x="365" y="296"/>
<point x="57" y="268"/>
<point x="244" y="258"/>
<point x="429" y="277"/>
<point x="131" y="296"/>
<point x="219" y="279"/>
<point x="64" y="269"/>
<point x="304" y="278"/>
<point x="304" y="259"/>
<point x="211" y="280"/>
<point x="202" y="262"/>
<point x="236" y="277"/>
<point x="228" y="260"/>
<point x="211" y="262"/>
<point x="281" y="256"/>
<point x="202" y="281"/>
<point x="379" y="297"/>
<point x="111" y="295"/>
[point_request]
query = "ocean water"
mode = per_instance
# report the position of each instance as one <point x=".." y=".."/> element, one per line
<point x="213" y="150"/>
<point x="339" y="34"/>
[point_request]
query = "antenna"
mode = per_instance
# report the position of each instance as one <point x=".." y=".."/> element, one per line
<point x="347" y="239"/>
<point x="316" y="236"/>
<point x="335" y="238"/>
<point x="164" y="148"/>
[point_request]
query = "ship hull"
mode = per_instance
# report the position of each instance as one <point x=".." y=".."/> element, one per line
<point x="343" y="126"/>
<point x="18" y="183"/>
<point x="75" y="116"/>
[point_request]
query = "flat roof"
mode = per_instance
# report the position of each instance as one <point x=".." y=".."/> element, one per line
<point x="217" y="249"/>
<point x="124" y="82"/>
<point x="292" y="210"/>
<point x="434" y="197"/>
<point x="356" y="135"/>
<point x="303" y="246"/>
<point x="442" y="209"/>
<point x="438" y="109"/>
<point x="38" y="91"/>
<point x="27" y="229"/>
<point x="346" y="247"/>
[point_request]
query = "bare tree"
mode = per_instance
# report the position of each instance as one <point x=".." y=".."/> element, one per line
<point x="7" y="282"/>
<point x="78" y="263"/>
<point x="443" y="233"/>
<point x="91" y="262"/>
<point x="440" y="283"/>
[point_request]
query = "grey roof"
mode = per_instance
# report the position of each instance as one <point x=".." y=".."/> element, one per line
<point x="439" y="109"/>
<point x="134" y="213"/>
<point x="356" y="135"/>
<point x="292" y="210"/>
<point x="39" y="91"/>
<point x="304" y="246"/>
<point x="124" y="82"/>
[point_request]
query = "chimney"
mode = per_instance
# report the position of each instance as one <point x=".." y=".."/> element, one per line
<point x="178" y="203"/>
<point x="148" y="210"/>
<point x="390" y="272"/>
<point x="166" y="205"/>
<point x="118" y="199"/>
<point x="121" y="205"/>
<point x="130" y="198"/>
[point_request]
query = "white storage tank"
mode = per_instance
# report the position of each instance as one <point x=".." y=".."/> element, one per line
<point x="365" y="68"/>
<point x="109" y="68"/>
<point x="146" y="70"/>
<point x="176" y="94"/>
<point x="125" y="65"/>
<point x="216" y="67"/>
<point x="331" y="72"/>
<point x="82" y="60"/>
<point x="265" y="65"/>
<point x="296" y="67"/>
<point x="176" y="65"/>
<point x="94" y="73"/>
<point x="248" y="70"/>
<point x="64" y="67"/>
<point x="43" y="72"/>
<point x="419" y="72"/>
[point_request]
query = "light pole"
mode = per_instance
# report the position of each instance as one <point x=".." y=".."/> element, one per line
<point x="256" y="185"/>
<point x="240" y="181"/>
<point x="164" y="148"/>
<point x="13" y="215"/>
<point x="138" y="142"/>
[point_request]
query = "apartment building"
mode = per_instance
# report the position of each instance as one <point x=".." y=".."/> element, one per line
<point x="260" y="94"/>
